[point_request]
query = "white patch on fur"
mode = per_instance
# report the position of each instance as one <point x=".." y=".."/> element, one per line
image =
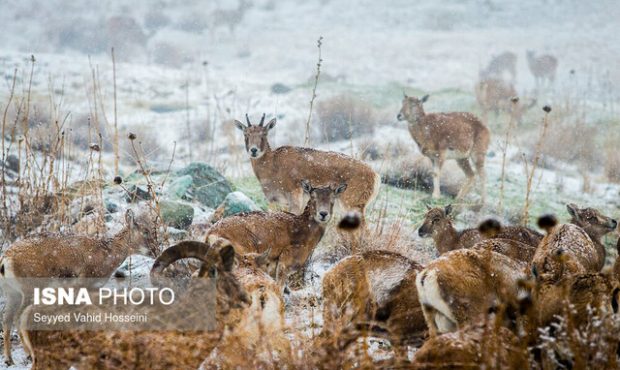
<point x="444" y="324"/>
<point x="429" y="294"/>
<point x="212" y="238"/>
<point x="384" y="280"/>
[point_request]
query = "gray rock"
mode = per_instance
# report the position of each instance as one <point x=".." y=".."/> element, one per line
<point x="235" y="202"/>
<point x="280" y="88"/>
<point x="12" y="162"/>
<point x="137" y="193"/>
<point x="140" y="270"/>
<point x="176" y="214"/>
<point x="179" y="187"/>
<point x="110" y="206"/>
<point x="208" y="187"/>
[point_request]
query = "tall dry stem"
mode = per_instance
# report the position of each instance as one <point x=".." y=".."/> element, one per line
<point x="5" y="211"/>
<point x="316" y="82"/>
<point x="537" y="153"/>
<point x="116" y="155"/>
<point x="187" y="124"/>
<point x="514" y="102"/>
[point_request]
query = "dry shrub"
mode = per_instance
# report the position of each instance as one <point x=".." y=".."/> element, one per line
<point x="122" y="32"/>
<point x="193" y="21"/>
<point x="201" y="132"/>
<point x="82" y="133"/>
<point x="371" y="149"/>
<point x="125" y="34"/>
<point x="147" y="145"/>
<point x="78" y="34"/>
<point x="169" y="54"/>
<point x="416" y="172"/>
<point x="343" y="117"/>
<point x="155" y="19"/>
<point x="572" y="142"/>
<point x="591" y="346"/>
<point x="612" y="159"/>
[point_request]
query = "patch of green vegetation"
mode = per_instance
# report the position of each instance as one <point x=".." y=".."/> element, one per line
<point x="397" y="203"/>
<point x="250" y="187"/>
<point x="390" y="94"/>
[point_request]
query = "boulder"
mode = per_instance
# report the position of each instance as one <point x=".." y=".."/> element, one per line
<point x="136" y="193"/>
<point x="178" y="188"/>
<point x="235" y="202"/>
<point x="110" y="206"/>
<point x="140" y="270"/>
<point x="12" y="163"/>
<point x="280" y="88"/>
<point x="208" y="186"/>
<point x="176" y="214"/>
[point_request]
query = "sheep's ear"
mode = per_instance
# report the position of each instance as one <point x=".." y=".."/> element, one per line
<point x="227" y="254"/>
<point x="262" y="258"/>
<point x="448" y="209"/>
<point x="428" y="207"/>
<point x="340" y="189"/>
<point x="305" y="184"/>
<point x="239" y="125"/>
<point x="405" y="95"/>
<point x="573" y="210"/>
<point x="424" y="99"/>
<point x="271" y="124"/>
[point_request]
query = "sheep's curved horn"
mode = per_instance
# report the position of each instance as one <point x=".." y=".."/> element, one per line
<point x="262" y="120"/>
<point x="248" y="120"/>
<point x="186" y="249"/>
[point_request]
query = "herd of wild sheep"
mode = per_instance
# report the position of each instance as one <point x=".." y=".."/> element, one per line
<point x="492" y="285"/>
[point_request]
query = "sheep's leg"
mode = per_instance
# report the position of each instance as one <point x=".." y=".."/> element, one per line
<point x="25" y="302"/>
<point x="482" y="176"/>
<point x="437" y="164"/>
<point x="469" y="173"/>
<point x="13" y="303"/>
<point x="429" y="316"/>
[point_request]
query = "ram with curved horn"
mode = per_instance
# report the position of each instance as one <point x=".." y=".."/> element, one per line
<point x="67" y="256"/>
<point x="248" y="304"/>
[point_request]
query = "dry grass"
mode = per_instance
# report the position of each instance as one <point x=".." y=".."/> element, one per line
<point x="343" y="117"/>
<point x="147" y="146"/>
<point x="612" y="159"/>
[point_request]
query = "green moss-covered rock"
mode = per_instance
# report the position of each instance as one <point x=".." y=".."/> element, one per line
<point x="176" y="214"/>
<point x="179" y="187"/>
<point x="208" y="187"/>
<point x="235" y="202"/>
